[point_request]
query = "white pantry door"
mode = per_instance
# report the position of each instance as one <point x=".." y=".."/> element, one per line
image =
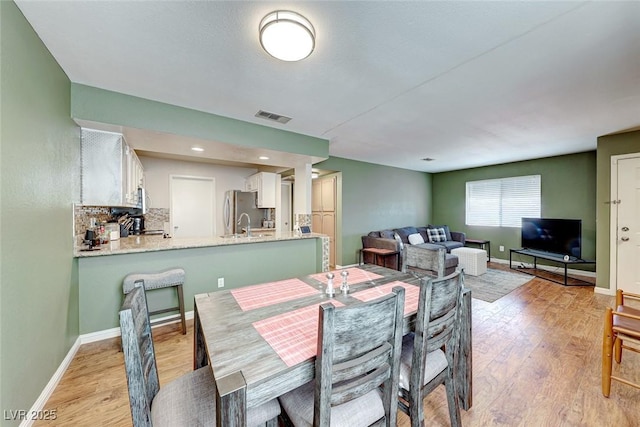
<point x="192" y="206"/>
<point x="628" y="225"/>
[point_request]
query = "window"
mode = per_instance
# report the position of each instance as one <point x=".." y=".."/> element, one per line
<point x="503" y="202"/>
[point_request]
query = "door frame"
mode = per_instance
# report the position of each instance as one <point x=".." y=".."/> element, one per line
<point x="613" y="220"/>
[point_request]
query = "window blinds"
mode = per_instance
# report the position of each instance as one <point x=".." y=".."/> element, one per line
<point x="502" y="202"/>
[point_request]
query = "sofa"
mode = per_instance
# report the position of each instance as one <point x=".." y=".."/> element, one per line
<point x="430" y="237"/>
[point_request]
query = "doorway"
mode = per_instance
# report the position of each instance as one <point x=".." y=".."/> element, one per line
<point x="192" y="201"/>
<point x="285" y="206"/>
<point x="625" y="223"/>
<point x="324" y="211"/>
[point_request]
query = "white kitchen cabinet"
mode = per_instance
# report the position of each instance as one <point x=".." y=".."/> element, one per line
<point x="264" y="183"/>
<point x="111" y="172"/>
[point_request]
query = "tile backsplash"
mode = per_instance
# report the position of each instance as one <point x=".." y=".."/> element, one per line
<point x="154" y="219"/>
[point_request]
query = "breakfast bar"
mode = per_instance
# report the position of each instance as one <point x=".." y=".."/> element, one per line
<point x="210" y="264"/>
<point x="260" y="341"/>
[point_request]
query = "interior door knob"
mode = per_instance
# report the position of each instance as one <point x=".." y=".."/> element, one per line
<point x="625" y="228"/>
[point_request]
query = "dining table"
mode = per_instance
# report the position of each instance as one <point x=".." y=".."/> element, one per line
<point x="260" y="341"/>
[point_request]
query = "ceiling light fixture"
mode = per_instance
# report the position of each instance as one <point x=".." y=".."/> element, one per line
<point x="287" y="36"/>
<point x="263" y="158"/>
<point x="198" y="149"/>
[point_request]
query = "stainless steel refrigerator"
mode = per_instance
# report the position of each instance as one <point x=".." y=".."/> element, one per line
<point x="237" y="202"/>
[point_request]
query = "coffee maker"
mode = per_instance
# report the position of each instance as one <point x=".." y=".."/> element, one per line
<point x="138" y="225"/>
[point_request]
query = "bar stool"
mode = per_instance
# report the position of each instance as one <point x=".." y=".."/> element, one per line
<point x="164" y="279"/>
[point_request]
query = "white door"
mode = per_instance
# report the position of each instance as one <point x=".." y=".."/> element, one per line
<point x="285" y="206"/>
<point x="627" y="205"/>
<point x="192" y="206"/>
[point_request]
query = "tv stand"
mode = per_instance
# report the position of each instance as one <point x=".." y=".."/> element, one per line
<point x="548" y="256"/>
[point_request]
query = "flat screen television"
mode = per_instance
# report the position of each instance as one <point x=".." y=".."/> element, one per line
<point x="557" y="236"/>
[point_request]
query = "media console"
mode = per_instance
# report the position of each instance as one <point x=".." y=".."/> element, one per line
<point x="558" y="258"/>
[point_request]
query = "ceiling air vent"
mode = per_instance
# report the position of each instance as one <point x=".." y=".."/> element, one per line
<point x="428" y="159"/>
<point x="272" y="116"/>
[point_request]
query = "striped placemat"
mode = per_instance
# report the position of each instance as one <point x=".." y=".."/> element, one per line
<point x="356" y="275"/>
<point x="411" y="294"/>
<point x="293" y="335"/>
<point x="257" y="296"/>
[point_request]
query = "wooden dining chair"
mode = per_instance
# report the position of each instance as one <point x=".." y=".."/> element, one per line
<point x="186" y="401"/>
<point x="621" y="331"/>
<point x="429" y="353"/>
<point x="356" y="381"/>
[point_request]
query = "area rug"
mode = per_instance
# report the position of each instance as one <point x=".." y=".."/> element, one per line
<point x="494" y="284"/>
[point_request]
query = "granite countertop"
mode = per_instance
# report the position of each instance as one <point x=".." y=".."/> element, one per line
<point x="150" y="243"/>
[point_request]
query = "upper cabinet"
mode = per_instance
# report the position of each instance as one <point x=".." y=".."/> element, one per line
<point x="111" y="172"/>
<point x="264" y="183"/>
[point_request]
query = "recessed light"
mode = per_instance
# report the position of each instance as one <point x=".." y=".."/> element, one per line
<point x="198" y="149"/>
<point x="263" y="158"/>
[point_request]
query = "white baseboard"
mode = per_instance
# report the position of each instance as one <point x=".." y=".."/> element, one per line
<point x="52" y="384"/>
<point x="115" y="332"/>
<point x="83" y="339"/>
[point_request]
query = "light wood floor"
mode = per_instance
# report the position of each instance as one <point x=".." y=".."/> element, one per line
<point x="536" y="362"/>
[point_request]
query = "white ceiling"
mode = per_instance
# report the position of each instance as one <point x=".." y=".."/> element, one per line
<point x="390" y="82"/>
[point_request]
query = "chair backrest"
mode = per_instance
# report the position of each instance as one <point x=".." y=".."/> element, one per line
<point x="358" y="351"/>
<point x="437" y="322"/>
<point x="424" y="259"/>
<point x="139" y="356"/>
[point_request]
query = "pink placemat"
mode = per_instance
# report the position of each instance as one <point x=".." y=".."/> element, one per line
<point x="356" y="275"/>
<point x="293" y="335"/>
<point x="411" y="294"/>
<point x="252" y="297"/>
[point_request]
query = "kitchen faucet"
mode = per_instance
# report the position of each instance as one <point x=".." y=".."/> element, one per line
<point x="248" y="222"/>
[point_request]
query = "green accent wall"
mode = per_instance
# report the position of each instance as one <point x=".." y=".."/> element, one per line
<point x="610" y="145"/>
<point x="568" y="186"/>
<point x="39" y="155"/>
<point x="376" y="197"/>
<point x="103" y="106"/>
<point x="239" y="265"/>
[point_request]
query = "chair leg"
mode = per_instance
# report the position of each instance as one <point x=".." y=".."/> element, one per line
<point x="452" y="400"/>
<point x="181" y="305"/>
<point x="607" y="350"/>
<point x="416" y="410"/>
<point x="617" y="350"/>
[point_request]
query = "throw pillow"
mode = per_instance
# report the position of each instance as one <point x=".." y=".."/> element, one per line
<point x="445" y="227"/>
<point x="416" y="239"/>
<point x="436" y="235"/>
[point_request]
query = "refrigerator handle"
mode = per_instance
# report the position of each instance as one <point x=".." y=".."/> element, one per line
<point x="227" y="213"/>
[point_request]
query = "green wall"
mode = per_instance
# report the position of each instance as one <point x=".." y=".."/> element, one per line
<point x="39" y="154"/>
<point x="611" y="145"/>
<point x="567" y="190"/>
<point x="239" y="265"/>
<point x="376" y="197"/>
<point x="103" y="106"/>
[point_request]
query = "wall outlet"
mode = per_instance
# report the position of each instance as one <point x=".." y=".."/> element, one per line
<point x="501" y="250"/>
<point x="221" y="282"/>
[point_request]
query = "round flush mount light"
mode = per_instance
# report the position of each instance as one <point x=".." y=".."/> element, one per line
<point x="198" y="149"/>
<point x="287" y="35"/>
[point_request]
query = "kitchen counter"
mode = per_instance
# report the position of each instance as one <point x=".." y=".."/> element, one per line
<point x="151" y="243"/>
